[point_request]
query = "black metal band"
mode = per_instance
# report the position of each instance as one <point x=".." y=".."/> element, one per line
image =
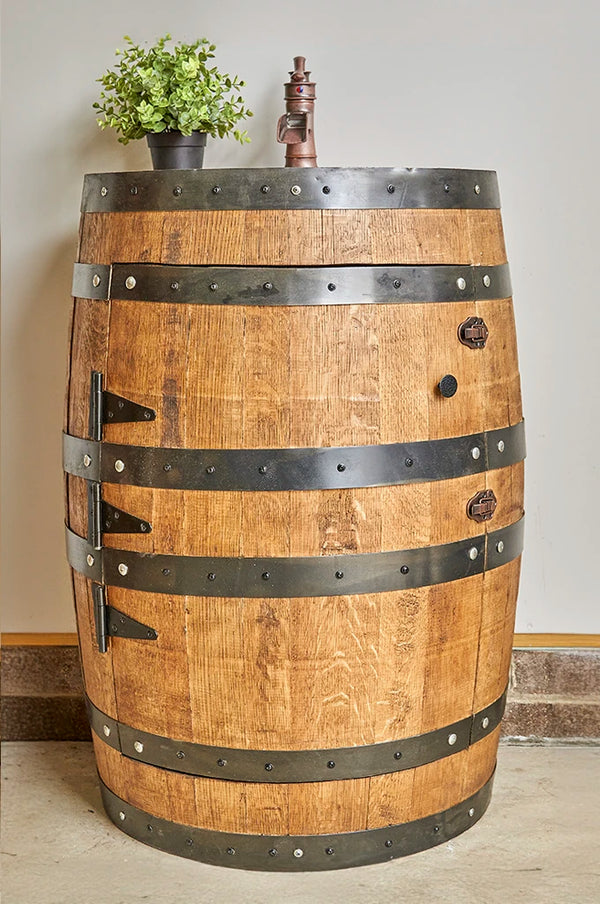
<point x="284" y="578"/>
<point x="285" y="766"/>
<point x="280" y="286"/>
<point x="292" y="853"/>
<point x="294" y="469"/>
<point x="280" y="188"/>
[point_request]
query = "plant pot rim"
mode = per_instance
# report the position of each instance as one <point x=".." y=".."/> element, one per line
<point x="172" y="138"/>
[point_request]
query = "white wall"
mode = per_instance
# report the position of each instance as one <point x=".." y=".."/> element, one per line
<point x="510" y="86"/>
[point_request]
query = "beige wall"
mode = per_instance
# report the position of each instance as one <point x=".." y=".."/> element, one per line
<point x="509" y="85"/>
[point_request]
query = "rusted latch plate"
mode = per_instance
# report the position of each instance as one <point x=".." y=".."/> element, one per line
<point x="481" y="506"/>
<point x="473" y="332"/>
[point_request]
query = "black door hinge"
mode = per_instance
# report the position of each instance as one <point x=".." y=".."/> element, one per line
<point x="110" y="622"/>
<point x="108" y="408"/>
<point x="106" y="518"/>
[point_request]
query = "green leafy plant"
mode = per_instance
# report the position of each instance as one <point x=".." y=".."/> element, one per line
<point x="154" y="90"/>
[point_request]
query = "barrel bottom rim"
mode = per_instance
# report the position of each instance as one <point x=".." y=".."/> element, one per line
<point x="297" y="853"/>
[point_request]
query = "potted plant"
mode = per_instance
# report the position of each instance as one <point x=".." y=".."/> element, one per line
<point x="173" y="98"/>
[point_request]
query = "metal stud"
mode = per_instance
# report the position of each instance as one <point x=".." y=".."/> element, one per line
<point x="210" y="469"/>
<point x="123" y="569"/>
<point x="221" y="762"/>
<point x="180" y="755"/>
<point x="133" y="190"/>
<point x="341" y="467"/>
<point x="398" y="755"/>
<point x="452" y="739"/>
<point x="326" y="189"/>
<point x="397" y="283"/>
<point x="339" y="575"/>
<point x="268" y="286"/>
<point x="500" y="546"/>
<point x="487" y="281"/>
<point x="87" y="461"/>
<point x="262" y="469"/>
<point x="388" y="843"/>
<point x="211" y="576"/>
<point x="501" y="445"/>
<point x="268" y="767"/>
<point x="461" y="283"/>
<point x="472" y="812"/>
<point x="296" y="190"/>
<point x="485" y="722"/>
<point x="231" y="851"/>
<point x="473" y="553"/>
<point x="213" y="286"/>
<point x="121" y="815"/>
<point x="106" y="730"/>
<point x="174" y="286"/>
<point x="104" y="191"/>
<point x="167" y="467"/>
<point x="95" y="280"/>
<point x="130" y="282"/>
<point x="475" y="452"/>
<point x="298" y="852"/>
<point x="446" y="188"/>
<point x="273" y="852"/>
<point x="177" y="191"/>
<point x="266" y="575"/>
<point x="331" y="764"/>
<point x="138" y="746"/>
<point x="331" y="287"/>
<point x="217" y="190"/>
<point x="329" y="851"/>
<point x="90" y="560"/>
<point x="476" y="189"/>
<point x="404" y="569"/>
<point x="265" y="189"/>
<point x="391" y="189"/>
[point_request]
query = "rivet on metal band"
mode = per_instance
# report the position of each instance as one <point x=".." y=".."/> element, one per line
<point x="319" y="852"/>
<point x="292" y="189"/>
<point x="283" y="766"/>
<point x="294" y="577"/>
<point x="294" y="469"/>
<point x="281" y="286"/>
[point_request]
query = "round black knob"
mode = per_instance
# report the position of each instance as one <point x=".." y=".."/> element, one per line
<point x="448" y="386"/>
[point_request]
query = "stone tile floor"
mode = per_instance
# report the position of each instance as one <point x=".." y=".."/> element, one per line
<point x="538" y="842"/>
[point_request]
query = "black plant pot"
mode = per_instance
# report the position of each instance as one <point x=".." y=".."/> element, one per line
<point x="172" y="150"/>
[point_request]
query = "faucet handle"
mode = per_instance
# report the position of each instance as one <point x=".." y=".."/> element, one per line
<point x="292" y="128"/>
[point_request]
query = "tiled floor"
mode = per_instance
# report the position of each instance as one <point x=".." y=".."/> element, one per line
<point x="539" y="842"/>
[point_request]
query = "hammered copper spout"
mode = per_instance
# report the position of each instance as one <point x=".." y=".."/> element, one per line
<point x="296" y="127"/>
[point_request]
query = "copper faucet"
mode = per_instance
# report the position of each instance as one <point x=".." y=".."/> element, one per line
<point x="296" y="127"/>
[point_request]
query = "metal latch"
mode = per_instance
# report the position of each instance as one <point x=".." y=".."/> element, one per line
<point x="109" y="408"/>
<point x="110" y="622"/>
<point x="473" y="332"/>
<point x="482" y="506"/>
<point x="106" y="518"/>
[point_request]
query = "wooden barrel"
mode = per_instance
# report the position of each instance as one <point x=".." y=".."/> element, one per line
<point x="294" y="452"/>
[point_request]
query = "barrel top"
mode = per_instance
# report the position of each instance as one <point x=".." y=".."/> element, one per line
<point x="280" y="188"/>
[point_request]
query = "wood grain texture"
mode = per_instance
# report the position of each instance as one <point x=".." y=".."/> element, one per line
<point x="315" y="672"/>
<point x="302" y="809"/>
<point x="303" y="238"/>
<point x="520" y="641"/>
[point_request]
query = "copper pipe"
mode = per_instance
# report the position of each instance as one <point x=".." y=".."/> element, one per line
<point x="296" y="127"/>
